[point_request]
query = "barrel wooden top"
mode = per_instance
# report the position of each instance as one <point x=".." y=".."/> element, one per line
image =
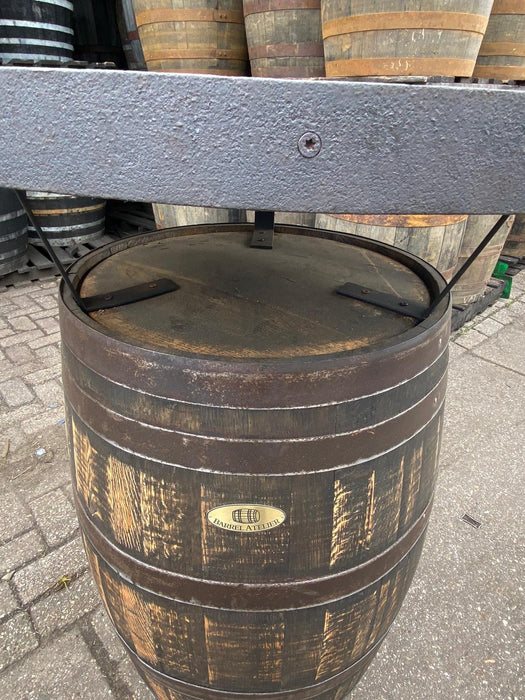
<point x="240" y="302"/>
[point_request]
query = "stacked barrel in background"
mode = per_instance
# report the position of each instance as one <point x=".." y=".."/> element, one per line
<point x="66" y="219"/>
<point x="515" y="243"/>
<point x="209" y="38"/>
<point x="13" y="232"/>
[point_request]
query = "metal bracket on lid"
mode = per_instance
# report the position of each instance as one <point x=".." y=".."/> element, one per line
<point x="263" y="230"/>
<point x="129" y="295"/>
<point x="384" y="301"/>
<point x="109" y="300"/>
<point x="412" y="308"/>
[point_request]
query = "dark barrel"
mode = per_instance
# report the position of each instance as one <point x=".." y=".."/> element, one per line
<point x="13" y="232"/>
<point x="36" y="30"/>
<point x="67" y="219"/>
<point x="253" y="387"/>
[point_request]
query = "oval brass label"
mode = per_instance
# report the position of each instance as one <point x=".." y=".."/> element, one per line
<point x="246" y="517"/>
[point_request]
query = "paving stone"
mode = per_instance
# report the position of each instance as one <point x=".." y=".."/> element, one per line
<point x="42" y="375"/>
<point x="61" y="670"/>
<point x="18" y="338"/>
<point x="55" y="516"/>
<point x="41" y="420"/>
<point x="48" y="301"/>
<point x="510" y="313"/>
<point x="8" y="602"/>
<point x="489" y="326"/>
<point x="15" y="392"/>
<point x="506" y="348"/>
<point x="46" y="340"/>
<point x="106" y="633"/>
<point x="14" y="517"/>
<point x="49" y="355"/>
<point x="19" y="354"/>
<point x="20" y="551"/>
<point x="38" y="577"/>
<point x="48" y="325"/>
<point x="26" y="306"/>
<point x="130" y="676"/>
<point x="22" y="323"/>
<point x="470" y="339"/>
<point x="17" y="638"/>
<point x="50" y="392"/>
<point x="45" y="477"/>
<point x="63" y="607"/>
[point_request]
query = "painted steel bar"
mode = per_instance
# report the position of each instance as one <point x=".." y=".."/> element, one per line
<point x="301" y="145"/>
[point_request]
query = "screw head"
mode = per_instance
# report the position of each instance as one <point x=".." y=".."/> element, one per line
<point x="309" y="144"/>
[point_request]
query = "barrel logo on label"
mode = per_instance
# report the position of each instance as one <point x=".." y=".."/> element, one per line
<point x="246" y="517"/>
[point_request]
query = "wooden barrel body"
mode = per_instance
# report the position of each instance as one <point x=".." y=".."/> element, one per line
<point x="36" y="30"/>
<point x="403" y="37"/>
<point x="173" y="215"/>
<point x="515" y="243"/>
<point x="97" y="36"/>
<point x="66" y="219"/>
<point x="502" y="52"/>
<point x="284" y="38"/>
<point x="254" y="456"/>
<point x="207" y="38"/>
<point x="471" y="286"/>
<point x="129" y="35"/>
<point x="13" y="232"/>
<point x="435" y="238"/>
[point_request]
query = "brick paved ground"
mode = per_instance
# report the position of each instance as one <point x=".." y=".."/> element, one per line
<point x="55" y="640"/>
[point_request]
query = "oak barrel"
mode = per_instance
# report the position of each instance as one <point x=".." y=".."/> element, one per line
<point x="403" y="37"/>
<point x="472" y="285"/>
<point x="515" y="243"/>
<point x="13" y="232"/>
<point x="207" y="38"/>
<point x="502" y="52"/>
<point x="97" y="37"/>
<point x="435" y="238"/>
<point x="36" y="30"/>
<point x="284" y="38"/>
<point x="66" y="219"/>
<point x="253" y="387"/>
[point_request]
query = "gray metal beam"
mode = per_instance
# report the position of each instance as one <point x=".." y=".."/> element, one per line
<point x="305" y="145"/>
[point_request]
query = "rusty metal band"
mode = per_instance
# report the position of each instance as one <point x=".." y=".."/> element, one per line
<point x="262" y="457"/>
<point x="202" y="693"/>
<point x="276" y="596"/>
<point x="207" y="53"/>
<point x="448" y="273"/>
<point x="204" y="71"/>
<point x="187" y="15"/>
<point x="377" y="21"/>
<point x="508" y="7"/>
<point x="502" y="48"/>
<point x="499" y="72"/>
<point x="399" y="66"/>
<point x="195" y="381"/>
<point x="285" y="50"/>
<point x="301" y="71"/>
<point x="67" y="210"/>
<point x="403" y="220"/>
<point x="253" y="7"/>
<point x="222" y="422"/>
